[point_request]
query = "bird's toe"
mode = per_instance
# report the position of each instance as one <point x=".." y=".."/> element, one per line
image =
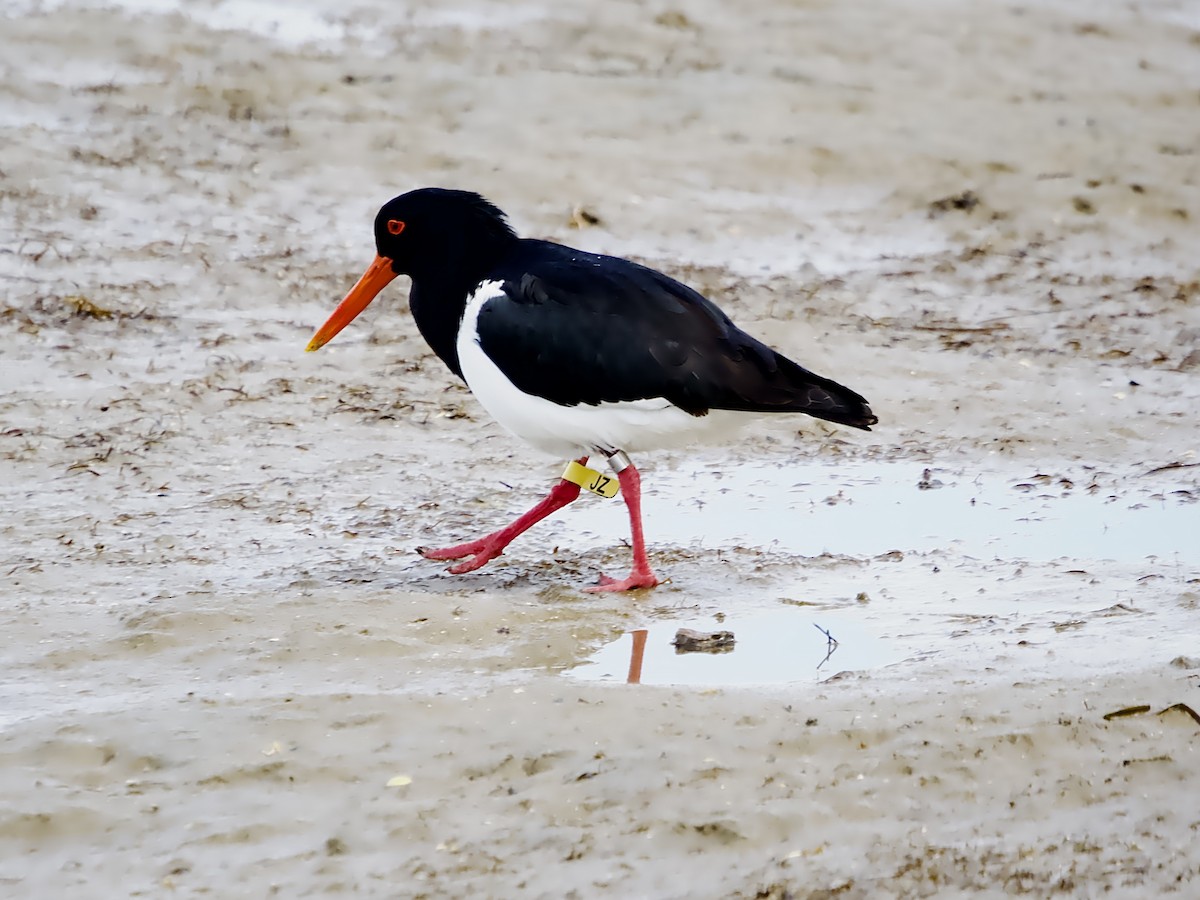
<point x="456" y="552"/>
<point x="636" y="581"/>
<point x="478" y="561"/>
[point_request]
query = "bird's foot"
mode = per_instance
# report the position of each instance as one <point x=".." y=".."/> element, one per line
<point x="477" y="561"/>
<point x="480" y="552"/>
<point x="635" y="581"/>
<point x="458" y="551"/>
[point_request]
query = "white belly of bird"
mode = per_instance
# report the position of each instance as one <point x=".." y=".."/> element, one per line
<point x="566" y="431"/>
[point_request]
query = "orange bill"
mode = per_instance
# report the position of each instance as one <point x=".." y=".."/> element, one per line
<point x="377" y="276"/>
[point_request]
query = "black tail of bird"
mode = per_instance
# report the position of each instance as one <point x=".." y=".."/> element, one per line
<point x="773" y="383"/>
<point x="734" y="371"/>
<point x="824" y="398"/>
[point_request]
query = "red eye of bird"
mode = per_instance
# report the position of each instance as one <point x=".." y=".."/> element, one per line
<point x="395" y="226"/>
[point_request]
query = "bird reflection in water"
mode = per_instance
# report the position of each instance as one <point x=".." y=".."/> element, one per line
<point x="635" y="656"/>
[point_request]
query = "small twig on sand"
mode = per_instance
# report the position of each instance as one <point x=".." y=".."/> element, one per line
<point x="831" y="645"/>
<point x="1169" y="466"/>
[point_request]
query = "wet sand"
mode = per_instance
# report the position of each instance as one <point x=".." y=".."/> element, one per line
<point x="227" y="673"/>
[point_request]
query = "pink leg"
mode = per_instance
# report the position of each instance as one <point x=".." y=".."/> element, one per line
<point x="641" y="576"/>
<point x="488" y="548"/>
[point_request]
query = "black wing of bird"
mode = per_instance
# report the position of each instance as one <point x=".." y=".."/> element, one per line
<point x="574" y="327"/>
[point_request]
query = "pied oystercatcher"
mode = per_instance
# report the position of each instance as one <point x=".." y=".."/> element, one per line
<point x="576" y="353"/>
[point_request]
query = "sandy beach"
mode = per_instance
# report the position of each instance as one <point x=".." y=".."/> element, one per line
<point x="226" y="672"/>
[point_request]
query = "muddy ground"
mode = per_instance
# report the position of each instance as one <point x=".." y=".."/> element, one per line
<point x="225" y="673"/>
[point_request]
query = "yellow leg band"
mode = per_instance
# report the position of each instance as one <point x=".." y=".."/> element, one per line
<point x="590" y="480"/>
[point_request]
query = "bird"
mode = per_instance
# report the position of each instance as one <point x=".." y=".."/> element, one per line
<point x="578" y="354"/>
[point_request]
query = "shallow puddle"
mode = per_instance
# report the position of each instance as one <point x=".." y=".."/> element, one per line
<point x="779" y="647"/>
<point x="809" y="510"/>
